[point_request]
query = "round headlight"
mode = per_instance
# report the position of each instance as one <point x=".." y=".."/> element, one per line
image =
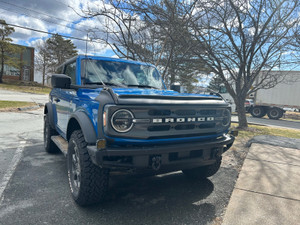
<point x="226" y="118"/>
<point x="121" y="120"/>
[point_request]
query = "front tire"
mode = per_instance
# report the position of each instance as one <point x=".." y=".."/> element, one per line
<point x="204" y="171"/>
<point x="88" y="182"/>
<point x="49" y="145"/>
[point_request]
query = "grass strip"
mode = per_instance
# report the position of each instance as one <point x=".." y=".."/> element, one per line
<point x="10" y="105"/>
<point x="255" y="130"/>
<point x="25" y="88"/>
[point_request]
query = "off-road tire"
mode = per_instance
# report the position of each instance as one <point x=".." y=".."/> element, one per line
<point x="49" y="145"/>
<point x="275" y="113"/>
<point x="258" y="111"/>
<point x="93" y="180"/>
<point x="204" y="171"/>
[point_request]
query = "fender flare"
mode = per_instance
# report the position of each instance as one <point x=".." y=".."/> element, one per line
<point x="86" y="126"/>
<point x="49" y="110"/>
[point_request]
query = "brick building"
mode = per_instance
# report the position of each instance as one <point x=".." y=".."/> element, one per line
<point x="26" y="70"/>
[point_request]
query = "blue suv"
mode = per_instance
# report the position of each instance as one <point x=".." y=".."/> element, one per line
<point x="109" y="114"/>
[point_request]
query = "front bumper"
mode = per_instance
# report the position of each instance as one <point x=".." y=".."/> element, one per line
<point x="162" y="157"/>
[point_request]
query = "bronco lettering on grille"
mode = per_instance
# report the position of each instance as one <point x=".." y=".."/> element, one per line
<point x="182" y="120"/>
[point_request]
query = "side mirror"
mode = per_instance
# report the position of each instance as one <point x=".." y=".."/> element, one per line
<point x="176" y="87"/>
<point x="60" y="81"/>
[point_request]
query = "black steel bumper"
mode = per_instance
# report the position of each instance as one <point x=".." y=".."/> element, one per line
<point x="169" y="157"/>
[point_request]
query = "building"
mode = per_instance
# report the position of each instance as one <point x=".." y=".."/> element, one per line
<point x="25" y="71"/>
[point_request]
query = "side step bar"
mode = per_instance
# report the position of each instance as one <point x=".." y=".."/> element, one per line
<point x="61" y="143"/>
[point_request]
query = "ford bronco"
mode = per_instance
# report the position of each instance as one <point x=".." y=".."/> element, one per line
<point x="108" y="114"/>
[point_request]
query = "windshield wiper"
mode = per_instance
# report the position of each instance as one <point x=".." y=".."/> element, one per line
<point x="106" y="83"/>
<point x="141" y="86"/>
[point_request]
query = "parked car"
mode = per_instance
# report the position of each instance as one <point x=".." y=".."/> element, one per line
<point x="109" y="114"/>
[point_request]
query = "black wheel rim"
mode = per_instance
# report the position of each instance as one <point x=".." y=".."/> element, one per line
<point x="75" y="175"/>
<point x="46" y="133"/>
<point x="274" y="113"/>
<point x="256" y="112"/>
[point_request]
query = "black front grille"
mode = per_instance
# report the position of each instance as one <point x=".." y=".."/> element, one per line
<point x="159" y="128"/>
<point x="185" y="127"/>
<point x="206" y="112"/>
<point x="171" y="121"/>
<point x="207" y="125"/>
<point x="185" y="112"/>
<point x="158" y="112"/>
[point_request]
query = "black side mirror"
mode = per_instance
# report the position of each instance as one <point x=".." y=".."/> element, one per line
<point x="176" y="87"/>
<point x="60" y="81"/>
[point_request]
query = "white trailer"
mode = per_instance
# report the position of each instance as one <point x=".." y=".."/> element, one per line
<point x="286" y="94"/>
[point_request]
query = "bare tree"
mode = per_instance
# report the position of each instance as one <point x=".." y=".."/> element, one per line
<point x="42" y="60"/>
<point x="150" y="31"/>
<point x="242" y="38"/>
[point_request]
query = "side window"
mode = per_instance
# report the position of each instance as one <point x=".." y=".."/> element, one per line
<point x="70" y="70"/>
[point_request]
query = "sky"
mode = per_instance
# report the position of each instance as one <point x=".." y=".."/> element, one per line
<point x="54" y="16"/>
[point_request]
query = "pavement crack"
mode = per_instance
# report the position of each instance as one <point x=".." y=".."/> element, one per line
<point x="290" y="164"/>
<point x="261" y="193"/>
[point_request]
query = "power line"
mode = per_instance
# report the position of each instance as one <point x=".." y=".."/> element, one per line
<point x="46" y="32"/>
<point x="9" y="10"/>
<point x="62" y="3"/>
<point x="37" y="12"/>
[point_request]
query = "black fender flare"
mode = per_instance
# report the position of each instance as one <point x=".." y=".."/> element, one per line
<point x="86" y="126"/>
<point x="49" y="110"/>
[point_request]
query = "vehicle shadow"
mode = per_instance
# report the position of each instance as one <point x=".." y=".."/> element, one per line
<point x="164" y="199"/>
<point x="39" y="191"/>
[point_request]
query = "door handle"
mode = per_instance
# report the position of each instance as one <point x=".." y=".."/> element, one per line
<point x="56" y="100"/>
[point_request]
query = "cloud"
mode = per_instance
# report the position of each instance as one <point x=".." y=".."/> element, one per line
<point x="56" y="16"/>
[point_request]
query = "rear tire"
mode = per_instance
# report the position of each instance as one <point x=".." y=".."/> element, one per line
<point x="88" y="182"/>
<point x="258" y="111"/>
<point x="275" y="113"/>
<point x="49" y="145"/>
<point x="204" y="171"/>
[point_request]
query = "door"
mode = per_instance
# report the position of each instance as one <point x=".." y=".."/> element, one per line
<point x="64" y="98"/>
<point x="26" y="76"/>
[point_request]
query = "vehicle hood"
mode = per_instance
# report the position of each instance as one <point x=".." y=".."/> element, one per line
<point x="148" y="96"/>
<point x="139" y="96"/>
<point x="149" y="93"/>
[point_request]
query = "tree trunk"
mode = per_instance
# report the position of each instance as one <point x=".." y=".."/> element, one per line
<point x="2" y="66"/>
<point x="43" y="75"/>
<point x="241" y="112"/>
<point x="172" y="73"/>
<point x="44" y="71"/>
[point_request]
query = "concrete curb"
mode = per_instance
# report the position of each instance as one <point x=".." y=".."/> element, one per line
<point x="22" y="109"/>
<point x="275" y="141"/>
<point x="29" y="108"/>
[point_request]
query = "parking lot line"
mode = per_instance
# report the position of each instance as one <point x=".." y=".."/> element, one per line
<point x="10" y="171"/>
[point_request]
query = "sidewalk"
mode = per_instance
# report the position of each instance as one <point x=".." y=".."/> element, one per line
<point x="268" y="188"/>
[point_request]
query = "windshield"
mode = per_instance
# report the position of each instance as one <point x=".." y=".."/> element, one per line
<point x="120" y="74"/>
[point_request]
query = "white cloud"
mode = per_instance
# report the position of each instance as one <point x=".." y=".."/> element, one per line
<point x="56" y="16"/>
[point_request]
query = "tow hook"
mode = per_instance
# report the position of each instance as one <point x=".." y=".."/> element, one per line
<point x="156" y="162"/>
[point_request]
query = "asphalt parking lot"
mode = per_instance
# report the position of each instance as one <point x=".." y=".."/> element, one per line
<point x="38" y="193"/>
<point x="34" y="187"/>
